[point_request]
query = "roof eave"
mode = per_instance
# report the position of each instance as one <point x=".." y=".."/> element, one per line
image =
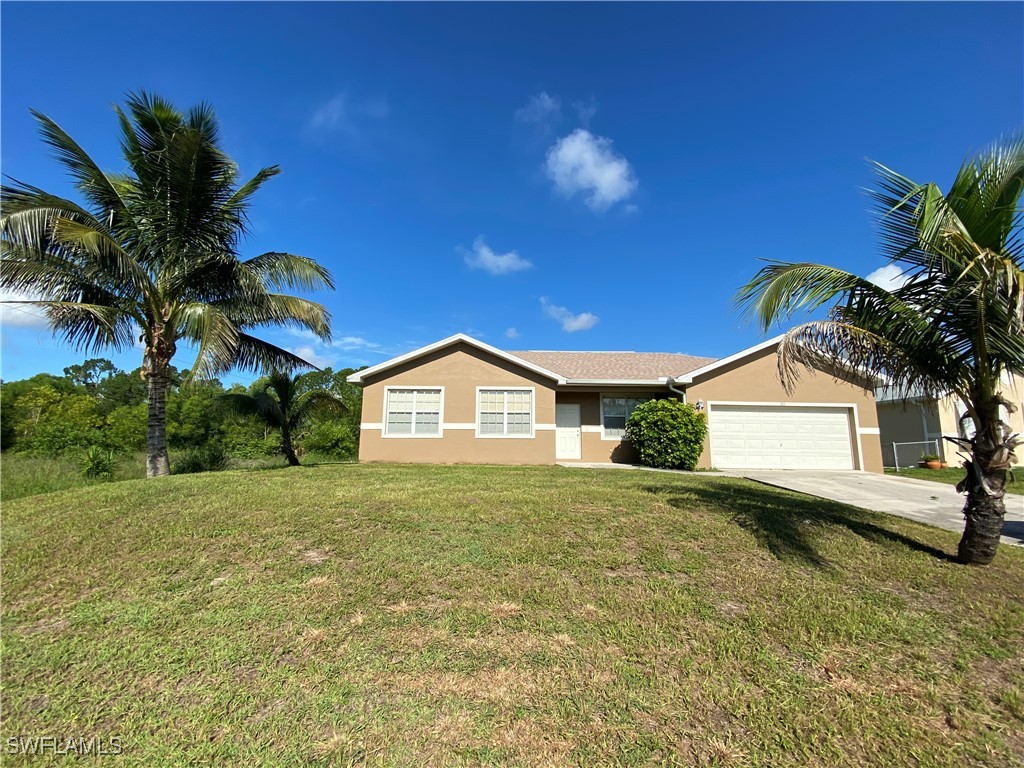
<point x="359" y="377"/>
<point x="689" y="377"/>
<point x="660" y="382"/>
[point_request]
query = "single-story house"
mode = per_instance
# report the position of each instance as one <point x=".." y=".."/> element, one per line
<point x="460" y="400"/>
<point x="916" y="424"/>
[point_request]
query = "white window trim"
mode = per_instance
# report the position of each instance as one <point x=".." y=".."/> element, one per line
<point x="627" y="395"/>
<point x="440" y="415"/>
<point x="533" y="407"/>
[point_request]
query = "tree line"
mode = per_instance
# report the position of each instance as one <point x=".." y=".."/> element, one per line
<point x="94" y="404"/>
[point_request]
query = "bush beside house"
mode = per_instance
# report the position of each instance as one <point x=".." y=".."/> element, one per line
<point x="667" y="434"/>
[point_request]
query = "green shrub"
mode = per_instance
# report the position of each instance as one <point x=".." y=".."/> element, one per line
<point x="667" y="434"/>
<point x="126" y="428"/>
<point x="246" y="438"/>
<point x="57" y="423"/>
<point x="98" y="463"/>
<point x="211" y="457"/>
<point x="333" y="439"/>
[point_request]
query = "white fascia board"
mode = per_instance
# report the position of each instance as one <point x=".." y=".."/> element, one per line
<point x="616" y="382"/>
<point x="689" y="377"/>
<point x="360" y="376"/>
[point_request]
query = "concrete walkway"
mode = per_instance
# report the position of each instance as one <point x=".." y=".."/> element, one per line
<point x="927" y="502"/>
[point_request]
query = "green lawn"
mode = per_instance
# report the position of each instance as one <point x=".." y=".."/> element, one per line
<point x="952" y="476"/>
<point x="435" y="616"/>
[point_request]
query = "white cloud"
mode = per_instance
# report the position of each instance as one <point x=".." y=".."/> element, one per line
<point x="20" y="315"/>
<point x="583" y="162"/>
<point x="585" y="110"/>
<point x="570" y="322"/>
<point x="310" y="355"/>
<point x="541" y="109"/>
<point x="511" y="333"/>
<point x="354" y="342"/>
<point x="486" y="259"/>
<point x="343" y="113"/>
<point x="890" y="277"/>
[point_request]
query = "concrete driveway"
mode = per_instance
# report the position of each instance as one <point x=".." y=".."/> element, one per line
<point x="933" y="503"/>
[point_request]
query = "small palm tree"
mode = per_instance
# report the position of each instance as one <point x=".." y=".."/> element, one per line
<point x="955" y="324"/>
<point x="153" y="255"/>
<point x="283" y="402"/>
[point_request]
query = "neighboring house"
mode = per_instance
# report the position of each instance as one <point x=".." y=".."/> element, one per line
<point x="462" y="401"/>
<point x="917" y="424"/>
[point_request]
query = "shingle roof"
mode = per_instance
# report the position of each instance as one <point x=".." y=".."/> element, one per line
<point x="627" y="366"/>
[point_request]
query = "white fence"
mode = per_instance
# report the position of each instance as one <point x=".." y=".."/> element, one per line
<point x="909" y="454"/>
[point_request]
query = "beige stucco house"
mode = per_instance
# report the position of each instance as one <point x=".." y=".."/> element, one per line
<point x="460" y="400"/>
<point x="910" y="426"/>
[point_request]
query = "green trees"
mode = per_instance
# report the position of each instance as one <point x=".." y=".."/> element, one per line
<point x="285" y="403"/>
<point x="152" y="254"/>
<point x="51" y="415"/>
<point x="955" y="324"/>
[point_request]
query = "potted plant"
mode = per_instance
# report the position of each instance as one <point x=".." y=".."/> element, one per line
<point x="931" y="461"/>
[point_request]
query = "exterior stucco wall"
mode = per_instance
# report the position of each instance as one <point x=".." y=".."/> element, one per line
<point x="1012" y="389"/>
<point x="755" y="379"/>
<point x="459" y="369"/>
<point x="594" y="447"/>
<point x="910" y="422"/>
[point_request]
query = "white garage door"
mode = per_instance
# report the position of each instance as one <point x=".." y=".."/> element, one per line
<point x="774" y="437"/>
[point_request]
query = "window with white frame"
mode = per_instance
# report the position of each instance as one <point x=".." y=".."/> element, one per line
<point x="615" y="410"/>
<point x="413" y="412"/>
<point x="505" y="412"/>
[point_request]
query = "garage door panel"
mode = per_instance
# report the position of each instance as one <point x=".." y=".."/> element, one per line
<point x="780" y="437"/>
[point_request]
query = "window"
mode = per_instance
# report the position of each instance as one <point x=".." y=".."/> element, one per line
<point x="614" y="412"/>
<point x="504" y="413"/>
<point x="413" y="412"/>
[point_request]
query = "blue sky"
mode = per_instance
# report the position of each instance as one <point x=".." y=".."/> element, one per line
<point x="541" y="176"/>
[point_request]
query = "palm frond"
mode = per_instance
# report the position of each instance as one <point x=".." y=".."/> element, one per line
<point x="849" y="351"/>
<point x="90" y="180"/>
<point x="261" y="405"/>
<point x="284" y="310"/>
<point x="215" y="334"/>
<point x="316" y="403"/>
<point x="237" y="205"/>
<point x="780" y="289"/>
<point x="88" y="327"/>
<point x="106" y="261"/>
<point x="257" y="355"/>
<point x="286" y="270"/>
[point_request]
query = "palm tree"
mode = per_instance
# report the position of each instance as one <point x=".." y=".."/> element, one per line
<point x="954" y="325"/>
<point x="285" y="403"/>
<point x="153" y="252"/>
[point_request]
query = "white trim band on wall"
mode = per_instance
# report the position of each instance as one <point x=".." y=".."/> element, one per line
<point x="868" y="431"/>
<point x="468" y="426"/>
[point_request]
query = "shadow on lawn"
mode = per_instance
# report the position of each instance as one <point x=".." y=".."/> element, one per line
<point x="783" y="522"/>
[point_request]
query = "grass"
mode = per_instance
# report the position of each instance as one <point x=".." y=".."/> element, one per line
<point x="23" y="474"/>
<point x="434" y="616"/>
<point x="953" y="475"/>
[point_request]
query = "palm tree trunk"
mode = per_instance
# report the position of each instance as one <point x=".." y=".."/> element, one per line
<point x="991" y="455"/>
<point x="157" y="463"/>
<point x="286" y="447"/>
<point x="984" y="512"/>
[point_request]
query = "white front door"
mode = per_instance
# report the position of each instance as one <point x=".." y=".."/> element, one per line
<point x="568" y="444"/>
